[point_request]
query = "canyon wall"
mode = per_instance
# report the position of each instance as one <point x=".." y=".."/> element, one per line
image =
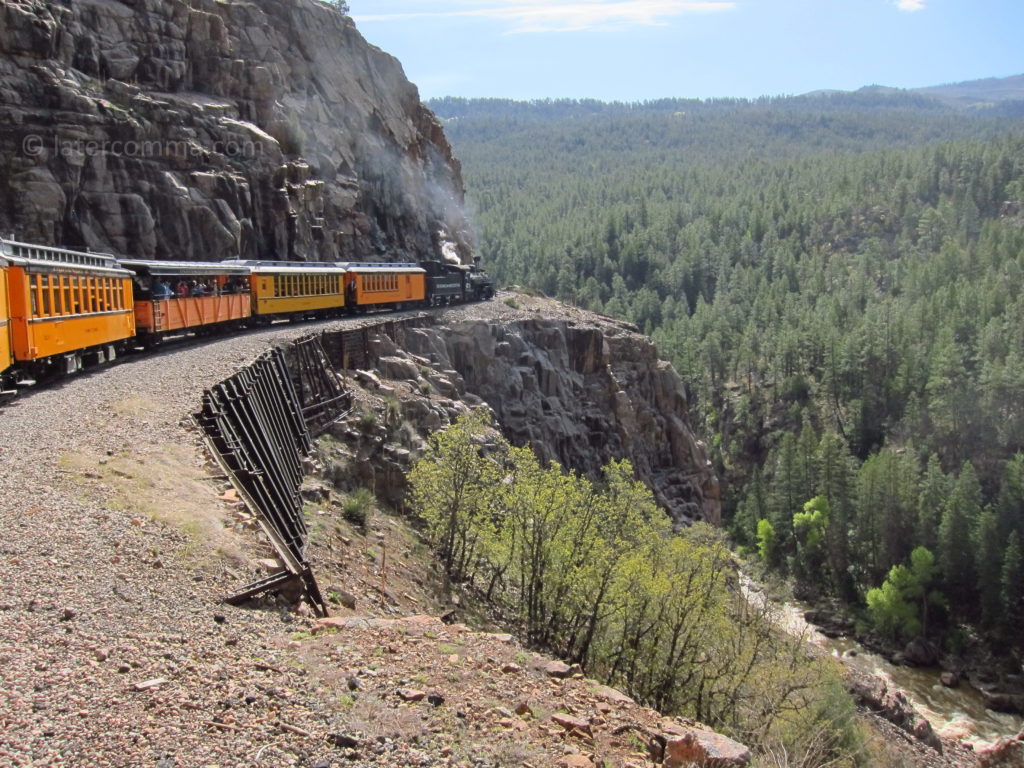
<point x="213" y="129"/>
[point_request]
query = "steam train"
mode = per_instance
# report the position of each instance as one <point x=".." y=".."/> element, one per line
<point x="62" y="310"/>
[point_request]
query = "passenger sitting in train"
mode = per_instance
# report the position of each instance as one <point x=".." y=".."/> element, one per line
<point x="181" y="290"/>
<point x="161" y="290"/>
<point x="140" y="288"/>
<point x="197" y="289"/>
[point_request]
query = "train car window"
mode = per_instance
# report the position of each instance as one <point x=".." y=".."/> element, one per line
<point x="48" y="281"/>
<point x="65" y="295"/>
<point x="89" y="304"/>
<point x="33" y="288"/>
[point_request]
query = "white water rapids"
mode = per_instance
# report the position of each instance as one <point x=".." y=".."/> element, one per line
<point x="958" y="713"/>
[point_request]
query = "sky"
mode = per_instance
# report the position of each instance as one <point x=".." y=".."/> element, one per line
<point x="634" y="50"/>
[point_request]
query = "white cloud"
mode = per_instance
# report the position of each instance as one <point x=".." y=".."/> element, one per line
<point x="539" y="16"/>
<point x="910" y="5"/>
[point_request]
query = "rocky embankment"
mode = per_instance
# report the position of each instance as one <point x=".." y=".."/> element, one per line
<point x="214" y="129"/>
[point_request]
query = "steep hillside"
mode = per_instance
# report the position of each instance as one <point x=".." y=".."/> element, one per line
<point x="214" y="129"/>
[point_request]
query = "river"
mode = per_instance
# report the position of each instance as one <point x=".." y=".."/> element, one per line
<point x="958" y="713"/>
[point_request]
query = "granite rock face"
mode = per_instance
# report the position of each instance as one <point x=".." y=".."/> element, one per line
<point x="211" y="129"/>
<point x="581" y="394"/>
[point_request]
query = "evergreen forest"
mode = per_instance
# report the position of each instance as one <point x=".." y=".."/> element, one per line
<point x="840" y="281"/>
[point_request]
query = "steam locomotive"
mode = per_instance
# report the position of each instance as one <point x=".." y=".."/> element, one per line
<point x="62" y="310"/>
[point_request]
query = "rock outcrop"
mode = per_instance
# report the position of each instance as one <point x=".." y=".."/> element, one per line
<point x="579" y="390"/>
<point x="211" y="129"/>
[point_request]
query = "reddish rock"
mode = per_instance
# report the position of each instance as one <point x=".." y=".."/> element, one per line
<point x="411" y="694"/>
<point x="524" y="710"/>
<point x="575" y="761"/>
<point x="571" y="723"/>
<point x="558" y="669"/>
<point x="611" y="694"/>
<point x="706" y="749"/>
<point x="1005" y="753"/>
<point x="154" y="683"/>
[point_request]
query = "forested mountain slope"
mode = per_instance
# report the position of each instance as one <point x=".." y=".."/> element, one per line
<point x="839" y="278"/>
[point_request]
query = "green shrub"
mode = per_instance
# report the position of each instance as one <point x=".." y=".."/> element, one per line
<point x="357" y="507"/>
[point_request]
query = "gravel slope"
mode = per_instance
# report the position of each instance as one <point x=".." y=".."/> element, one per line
<point x="114" y="560"/>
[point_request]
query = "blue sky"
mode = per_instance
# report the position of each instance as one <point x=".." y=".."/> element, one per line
<point x="633" y="50"/>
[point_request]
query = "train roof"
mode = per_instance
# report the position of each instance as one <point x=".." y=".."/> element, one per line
<point x="360" y="267"/>
<point x="45" y="258"/>
<point x="288" y="267"/>
<point x="182" y="268"/>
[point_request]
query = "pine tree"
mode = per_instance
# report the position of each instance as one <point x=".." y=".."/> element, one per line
<point x="988" y="560"/>
<point x="934" y="490"/>
<point x="1012" y="592"/>
<point x="956" y="560"/>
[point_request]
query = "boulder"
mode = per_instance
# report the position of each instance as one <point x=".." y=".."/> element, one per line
<point x="873" y="693"/>
<point x="921" y="652"/>
<point x="557" y="669"/>
<point x="707" y="749"/>
<point x="950" y="679"/>
<point x="1005" y="753"/>
<point x="1000" y="701"/>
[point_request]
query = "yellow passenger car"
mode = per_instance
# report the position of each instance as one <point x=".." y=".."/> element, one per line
<point x="67" y="308"/>
<point x="385" y="285"/>
<point x="295" y="289"/>
<point x="6" y="358"/>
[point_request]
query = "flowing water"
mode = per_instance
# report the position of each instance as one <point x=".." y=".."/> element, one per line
<point x="958" y="713"/>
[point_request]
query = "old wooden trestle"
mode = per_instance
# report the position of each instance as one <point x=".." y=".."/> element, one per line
<point x="259" y="425"/>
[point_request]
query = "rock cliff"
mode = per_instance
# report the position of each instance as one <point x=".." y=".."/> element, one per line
<point x="578" y="388"/>
<point x="211" y="129"/>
